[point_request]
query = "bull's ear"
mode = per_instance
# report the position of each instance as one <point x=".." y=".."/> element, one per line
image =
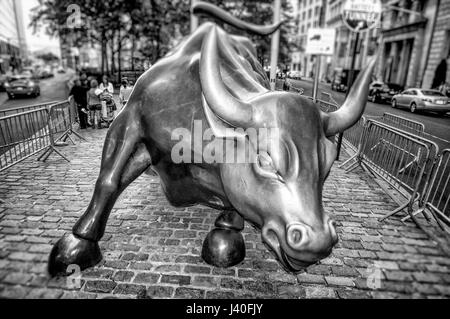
<point x="220" y="128"/>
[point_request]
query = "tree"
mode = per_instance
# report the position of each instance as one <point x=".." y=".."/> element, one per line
<point x="260" y="12"/>
<point x="151" y="26"/>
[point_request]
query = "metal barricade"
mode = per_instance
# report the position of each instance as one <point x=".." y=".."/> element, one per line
<point x="353" y="139"/>
<point x="23" y="109"/>
<point x="403" y="123"/>
<point x="62" y="118"/>
<point x="23" y="135"/>
<point x="385" y="151"/>
<point x="429" y="165"/>
<point x="292" y="88"/>
<point x="437" y="198"/>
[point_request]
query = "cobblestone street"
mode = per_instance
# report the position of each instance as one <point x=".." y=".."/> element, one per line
<point x="152" y="250"/>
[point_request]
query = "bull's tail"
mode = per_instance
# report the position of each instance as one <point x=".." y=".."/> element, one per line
<point x="215" y="12"/>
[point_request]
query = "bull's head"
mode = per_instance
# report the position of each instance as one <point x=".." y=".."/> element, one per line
<point x="281" y="190"/>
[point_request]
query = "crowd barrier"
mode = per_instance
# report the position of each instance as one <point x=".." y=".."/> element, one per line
<point x="23" y="109"/>
<point x="63" y="115"/>
<point x="400" y="155"/>
<point x="26" y="133"/>
<point x="437" y="198"/>
<point x="402" y="123"/>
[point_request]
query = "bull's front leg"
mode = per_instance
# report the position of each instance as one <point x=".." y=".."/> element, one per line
<point x="124" y="159"/>
<point x="224" y="246"/>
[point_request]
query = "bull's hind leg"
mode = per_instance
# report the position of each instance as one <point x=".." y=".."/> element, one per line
<point x="124" y="159"/>
<point x="224" y="246"/>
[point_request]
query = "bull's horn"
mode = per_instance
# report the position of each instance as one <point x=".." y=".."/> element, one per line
<point x="216" y="12"/>
<point x="354" y="105"/>
<point x="228" y="108"/>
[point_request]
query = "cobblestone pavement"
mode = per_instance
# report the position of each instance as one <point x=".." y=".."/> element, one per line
<point x="152" y="250"/>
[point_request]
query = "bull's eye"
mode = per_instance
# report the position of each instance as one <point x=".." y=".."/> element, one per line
<point x="265" y="162"/>
<point x="265" y="166"/>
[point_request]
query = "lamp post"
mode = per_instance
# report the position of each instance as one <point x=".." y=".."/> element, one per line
<point x="275" y="45"/>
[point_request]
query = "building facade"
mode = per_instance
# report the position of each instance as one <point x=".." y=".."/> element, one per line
<point x="309" y="14"/>
<point x="415" y="42"/>
<point x="13" y="47"/>
<point x="345" y="41"/>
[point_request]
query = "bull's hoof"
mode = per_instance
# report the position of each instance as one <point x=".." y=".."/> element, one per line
<point x="72" y="250"/>
<point x="223" y="248"/>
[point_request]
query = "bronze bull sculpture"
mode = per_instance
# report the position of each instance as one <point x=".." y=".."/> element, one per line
<point x="215" y="78"/>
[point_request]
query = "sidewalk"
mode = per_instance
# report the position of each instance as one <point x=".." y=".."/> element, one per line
<point x="152" y="250"/>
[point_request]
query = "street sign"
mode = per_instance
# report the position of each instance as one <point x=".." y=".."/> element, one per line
<point x="360" y="15"/>
<point x="320" y="41"/>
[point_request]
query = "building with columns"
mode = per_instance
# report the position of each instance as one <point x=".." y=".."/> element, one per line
<point x="415" y="42"/>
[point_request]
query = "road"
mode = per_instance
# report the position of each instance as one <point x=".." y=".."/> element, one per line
<point x="53" y="89"/>
<point x="436" y="125"/>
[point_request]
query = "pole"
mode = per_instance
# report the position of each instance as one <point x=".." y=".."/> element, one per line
<point x="275" y="45"/>
<point x="316" y="78"/>
<point x="350" y="80"/>
<point x="194" y="18"/>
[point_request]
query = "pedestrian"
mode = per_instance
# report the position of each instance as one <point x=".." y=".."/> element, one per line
<point x="107" y="97"/>
<point x="79" y="94"/>
<point x="106" y="86"/>
<point x="94" y="104"/>
<point x="125" y="91"/>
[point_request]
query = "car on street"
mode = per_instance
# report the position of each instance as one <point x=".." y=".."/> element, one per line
<point x="383" y="92"/>
<point x="295" y="75"/>
<point x="22" y="85"/>
<point x="44" y="74"/>
<point x="422" y="99"/>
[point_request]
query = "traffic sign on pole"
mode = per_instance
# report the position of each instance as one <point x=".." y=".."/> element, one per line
<point x="359" y="15"/>
<point x="320" y="41"/>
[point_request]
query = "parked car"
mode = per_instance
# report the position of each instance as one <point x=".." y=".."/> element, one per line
<point x="23" y="84"/>
<point x="44" y="74"/>
<point x="421" y="99"/>
<point x="61" y="70"/>
<point x="295" y="75"/>
<point x="340" y="79"/>
<point x="383" y="92"/>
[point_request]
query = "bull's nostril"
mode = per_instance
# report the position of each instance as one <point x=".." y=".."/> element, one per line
<point x="296" y="236"/>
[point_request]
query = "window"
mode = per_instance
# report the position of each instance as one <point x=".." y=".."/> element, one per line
<point x="309" y="13"/>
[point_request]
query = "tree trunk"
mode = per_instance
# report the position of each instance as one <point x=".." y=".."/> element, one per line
<point x="133" y="47"/>
<point x="119" y="56"/>
<point x="113" y="54"/>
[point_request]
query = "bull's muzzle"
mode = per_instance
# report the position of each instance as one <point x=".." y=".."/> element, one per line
<point x="299" y="245"/>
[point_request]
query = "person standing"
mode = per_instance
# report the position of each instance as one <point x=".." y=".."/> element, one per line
<point x="106" y="85"/>
<point x="125" y="91"/>
<point x="94" y="104"/>
<point x="107" y="97"/>
<point x="79" y="94"/>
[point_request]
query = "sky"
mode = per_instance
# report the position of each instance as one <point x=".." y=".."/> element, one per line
<point x="38" y="41"/>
